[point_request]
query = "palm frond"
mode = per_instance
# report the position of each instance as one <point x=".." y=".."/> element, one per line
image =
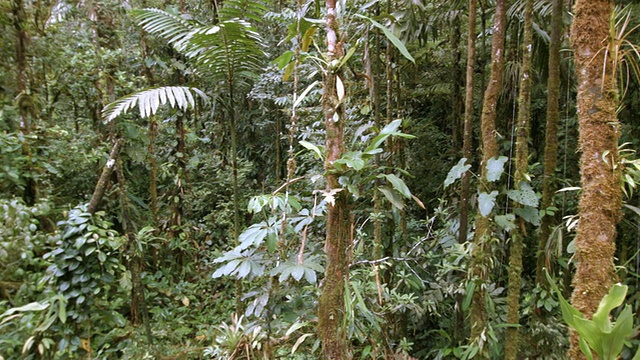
<point x="231" y="47"/>
<point x="149" y="101"/>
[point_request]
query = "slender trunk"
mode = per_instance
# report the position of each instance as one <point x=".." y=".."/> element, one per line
<point x="601" y="199"/>
<point x="103" y="181"/>
<point x="456" y="80"/>
<point x="467" y="151"/>
<point x="25" y="103"/>
<point x="467" y="142"/>
<point x="481" y="254"/>
<point x="331" y="302"/>
<point x="522" y="154"/>
<point x="138" y="306"/>
<point x="551" y="138"/>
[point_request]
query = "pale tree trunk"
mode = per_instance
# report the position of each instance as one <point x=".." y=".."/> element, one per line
<point x="331" y="302"/>
<point x="522" y="153"/>
<point x="551" y="137"/>
<point x="601" y="200"/>
<point x="481" y="254"/>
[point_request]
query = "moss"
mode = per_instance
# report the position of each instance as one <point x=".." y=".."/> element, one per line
<point x="601" y="198"/>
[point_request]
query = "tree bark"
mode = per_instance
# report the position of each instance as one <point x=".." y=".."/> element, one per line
<point x="331" y="302"/>
<point x="522" y="154"/>
<point x="480" y="256"/>
<point x="107" y="170"/>
<point x="601" y="199"/>
<point x="467" y="137"/>
<point x="138" y="306"/>
<point x="551" y="138"/>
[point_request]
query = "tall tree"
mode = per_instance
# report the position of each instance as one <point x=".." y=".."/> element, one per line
<point x="521" y="163"/>
<point x="601" y="200"/>
<point x="551" y="134"/>
<point x="331" y="302"/>
<point x="480" y="257"/>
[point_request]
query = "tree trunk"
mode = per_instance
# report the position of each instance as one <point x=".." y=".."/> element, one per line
<point x="480" y="256"/>
<point x="522" y="154"/>
<point x="467" y="152"/>
<point x="103" y="181"/>
<point x="331" y="302"/>
<point x="601" y="199"/>
<point x="551" y="138"/>
<point x="467" y="138"/>
<point x="24" y="101"/>
<point x="138" y="306"/>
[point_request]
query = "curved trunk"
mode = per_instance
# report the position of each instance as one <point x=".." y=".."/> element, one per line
<point x="480" y="257"/>
<point x="601" y="199"/>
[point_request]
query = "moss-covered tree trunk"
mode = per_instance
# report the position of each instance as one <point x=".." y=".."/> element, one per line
<point x="601" y="199"/>
<point x="480" y="257"/>
<point x="551" y="136"/>
<point x="331" y="302"/>
<point x="522" y="153"/>
<point x="467" y="137"/>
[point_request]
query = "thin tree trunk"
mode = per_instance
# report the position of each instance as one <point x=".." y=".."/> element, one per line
<point x="551" y="137"/>
<point x="481" y="254"/>
<point x="103" y="181"/>
<point x="24" y="101"/>
<point x="467" y="152"/>
<point x="467" y="142"/>
<point x="601" y="199"/>
<point x="522" y="154"/>
<point x="139" y="312"/>
<point x="331" y="302"/>
<point x="456" y="79"/>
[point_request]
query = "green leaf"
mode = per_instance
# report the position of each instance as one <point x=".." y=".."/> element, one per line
<point x="495" y="168"/>
<point x="529" y="214"/>
<point x="614" y="341"/>
<point x="506" y="221"/>
<point x="398" y="184"/>
<point x="305" y="93"/>
<point x="612" y="300"/>
<point x="312" y="147"/>
<point x="486" y="202"/>
<point x="456" y="172"/>
<point x="283" y="60"/>
<point x="524" y="195"/>
<point x="392" y="197"/>
<point x="394" y="40"/>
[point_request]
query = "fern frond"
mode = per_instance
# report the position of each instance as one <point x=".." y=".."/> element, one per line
<point x="150" y="100"/>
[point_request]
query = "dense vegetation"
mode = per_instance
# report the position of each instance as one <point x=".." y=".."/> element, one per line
<point x="372" y="180"/>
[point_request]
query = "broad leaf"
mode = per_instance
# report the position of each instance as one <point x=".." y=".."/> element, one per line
<point x="495" y="168"/>
<point x="486" y="202"/>
<point x="506" y="221"/>
<point x="529" y="214"/>
<point x="398" y="184"/>
<point x="389" y="34"/>
<point x="456" y="172"/>
<point x="524" y="195"/>
<point x="392" y="196"/>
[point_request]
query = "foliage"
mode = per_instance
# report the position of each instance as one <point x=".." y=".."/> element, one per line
<point x="599" y="334"/>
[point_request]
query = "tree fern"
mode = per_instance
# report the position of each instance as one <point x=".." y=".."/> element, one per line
<point x="150" y="100"/>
